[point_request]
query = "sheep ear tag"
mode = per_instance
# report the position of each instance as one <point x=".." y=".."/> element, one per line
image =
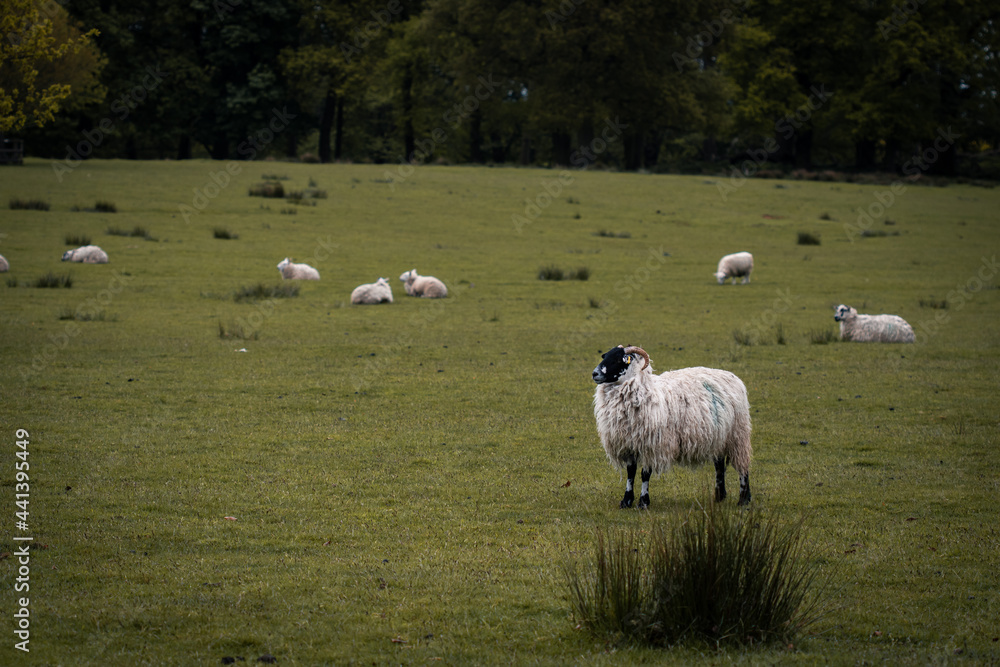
<point x="628" y="360"/>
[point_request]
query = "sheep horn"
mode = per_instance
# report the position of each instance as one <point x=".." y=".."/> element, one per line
<point x="632" y="349"/>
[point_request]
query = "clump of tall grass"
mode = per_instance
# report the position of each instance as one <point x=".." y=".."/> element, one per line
<point x="823" y="336"/>
<point x="51" y="280"/>
<point x="806" y="238"/>
<point x="81" y="316"/>
<point x="237" y="330"/>
<point x="262" y="291"/>
<point x="29" y="205"/>
<point x="714" y="574"/>
<point x="556" y="273"/>
<point x="613" y="235"/>
<point x="223" y="233"/>
<point x="75" y="240"/>
<point x="106" y="207"/>
<point x="745" y="337"/>
<point x="270" y="189"/>
<point x="877" y="233"/>
<point x="138" y="231"/>
<point x="932" y="303"/>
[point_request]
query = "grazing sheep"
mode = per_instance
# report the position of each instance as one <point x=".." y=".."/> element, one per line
<point x="88" y="254"/>
<point x="428" y="287"/>
<point x="377" y="292"/>
<point x="734" y="266"/>
<point x="4" y="266"/>
<point x="686" y="417"/>
<point x="290" y="271"/>
<point x="872" y="328"/>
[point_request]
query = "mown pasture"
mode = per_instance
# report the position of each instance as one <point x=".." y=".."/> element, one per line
<point x="403" y="482"/>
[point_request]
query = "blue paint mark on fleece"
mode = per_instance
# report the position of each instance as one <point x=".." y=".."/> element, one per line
<point x="716" y="402"/>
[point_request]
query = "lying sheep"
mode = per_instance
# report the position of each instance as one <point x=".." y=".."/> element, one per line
<point x="428" y="287"/>
<point x="88" y="254"/>
<point x="872" y="328"/>
<point x="4" y="266"/>
<point x="739" y="264"/>
<point x="377" y="292"/>
<point x="290" y="271"/>
<point x="688" y="416"/>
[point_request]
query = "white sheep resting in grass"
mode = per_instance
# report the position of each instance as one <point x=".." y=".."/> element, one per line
<point x="739" y="264"/>
<point x="685" y="417"/>
<point x="377" y="292"/>
<point x="290" y="271"/>
<point x="872" y="328"/>
<point x="428" y="287"/>
<point x="4" y="266"/>
<point x="88" y="254"/>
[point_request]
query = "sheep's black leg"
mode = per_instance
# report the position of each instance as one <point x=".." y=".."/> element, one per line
<point x="720" y="478"/>
<point x="644" y="495"/>
<point x="629" y="496"/>
<point x="744" y="489"/>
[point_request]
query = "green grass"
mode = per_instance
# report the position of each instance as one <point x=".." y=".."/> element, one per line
<point x="407" y="481"/>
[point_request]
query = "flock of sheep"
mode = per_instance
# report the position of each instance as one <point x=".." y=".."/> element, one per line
<point x="692" y="415"/>
<point x="377" y="292"/>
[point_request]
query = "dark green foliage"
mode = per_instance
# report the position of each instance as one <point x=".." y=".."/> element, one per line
<point x="261" y="291"/>
<point x="29" y="205"/>
<point x="269" y="189"/>
<point x="77" y="240"/>
<point x="716" y="574"/>
<point x="52" y="280"/>
<point x="223" y="233"/>
<point x="805" y="238"/>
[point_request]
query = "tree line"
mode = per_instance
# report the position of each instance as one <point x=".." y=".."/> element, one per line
<point x="635" y="84"/>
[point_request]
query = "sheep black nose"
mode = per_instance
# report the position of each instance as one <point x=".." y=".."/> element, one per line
<point x="597" y="375"/>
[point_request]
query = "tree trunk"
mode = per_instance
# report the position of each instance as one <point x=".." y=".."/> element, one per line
<point x="184" y="147"/>
<point x="560" y="148"/>
<point x="476" y="137"/>
<point x="338" y="137"/>
<point x="326" y="113"/>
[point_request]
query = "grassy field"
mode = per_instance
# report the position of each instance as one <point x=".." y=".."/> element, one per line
<point x="334" y="484"/>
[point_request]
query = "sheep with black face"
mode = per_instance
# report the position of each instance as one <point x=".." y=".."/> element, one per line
<point x="687" y="417"/>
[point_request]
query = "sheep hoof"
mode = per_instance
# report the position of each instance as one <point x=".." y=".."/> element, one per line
<point x="627" y="501"/>
<point x="644" y="502"/>
<point x="744" y="499"/>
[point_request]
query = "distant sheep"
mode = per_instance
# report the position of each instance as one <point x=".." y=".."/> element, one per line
<point x="739" y="264"/>
<point x="685" y="417"/>
<point x="428" y="287"/>
<point x="872" y="328"/>
<point x="4" y="266"/>
<point x="88" y="254"/>
<point x="377" y="292"/>
<point x="290" y="271"/>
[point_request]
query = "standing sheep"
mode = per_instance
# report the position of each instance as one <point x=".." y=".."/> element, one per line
<point x="4" y="266"/>
<point x="734" y="266"/>
<point x="377" y="292"/>
<point x="428" y="287"/>
<point x="290" y="271"/>
<point x="688" y="416"/>
<point x="88" y="254"/>
<point x="872" y="328"/>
